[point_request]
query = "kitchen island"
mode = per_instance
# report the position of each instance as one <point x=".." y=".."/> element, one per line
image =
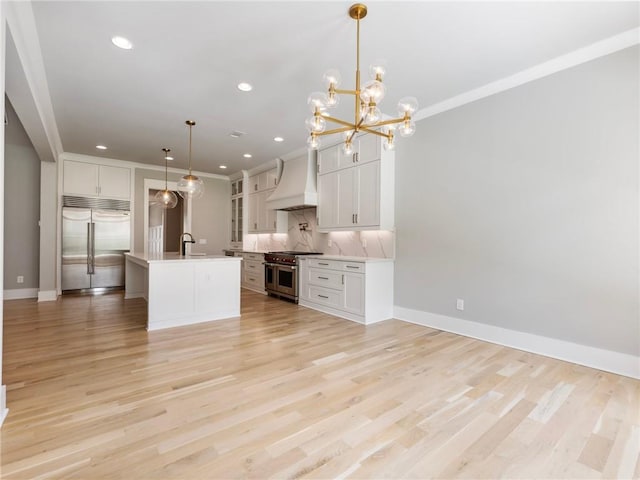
<point x="183" y="290"/>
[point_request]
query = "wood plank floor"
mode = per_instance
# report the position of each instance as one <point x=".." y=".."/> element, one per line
<point x="286" y="392"/>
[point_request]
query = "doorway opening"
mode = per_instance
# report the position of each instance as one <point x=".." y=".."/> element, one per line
<point x="165" y="226"/>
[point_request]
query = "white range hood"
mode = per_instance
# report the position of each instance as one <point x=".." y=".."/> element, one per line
<point x="297" y="187"/>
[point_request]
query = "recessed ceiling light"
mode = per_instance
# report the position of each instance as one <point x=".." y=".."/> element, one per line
<point x="247" y="155"/>
<point x="223" y="166"/>
<point x="278" y="139"/>
<point x="101" y="147"/>
<point x="122" y="42"/>
<point x="168" y="158"/>
<point x="245" y="87"/>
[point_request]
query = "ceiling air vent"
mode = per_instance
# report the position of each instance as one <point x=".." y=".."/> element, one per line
<point x="237" y="134"/>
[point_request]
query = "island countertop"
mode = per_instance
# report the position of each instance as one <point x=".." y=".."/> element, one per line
<point x="141" y="257"/>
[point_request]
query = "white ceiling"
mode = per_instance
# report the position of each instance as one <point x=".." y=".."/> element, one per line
<point x="189" y="56"/>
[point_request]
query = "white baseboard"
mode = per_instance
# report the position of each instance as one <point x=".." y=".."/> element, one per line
<point x="607" y="360"/>
<point x="47" y="295"/>
<point x="4" y="411"/>
<point x="18" y="293"/>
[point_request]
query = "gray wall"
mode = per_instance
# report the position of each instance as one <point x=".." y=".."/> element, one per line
<point x="22" y="201"/>
<point x="210" y="219"/>
<point x="525" y="205"/>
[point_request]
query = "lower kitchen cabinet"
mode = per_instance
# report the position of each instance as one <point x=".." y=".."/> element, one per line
<point x="358" y="289"/>
<point x="253" y="271"/>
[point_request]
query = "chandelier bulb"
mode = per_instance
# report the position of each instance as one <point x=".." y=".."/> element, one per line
<point x="378" y="69"/>
<point x="332" y="78"/>
<point x="347" y="148"/>
<point x="316" y="124"/>
<point x="373" y="91"/>
<point x="317" y="102"/>
<point x="408" y="128"/>
<point x="407" y="105"/>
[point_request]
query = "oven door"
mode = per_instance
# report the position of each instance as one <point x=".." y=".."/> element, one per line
<point x="287" y="280"/>
<point x="270" y="275"/>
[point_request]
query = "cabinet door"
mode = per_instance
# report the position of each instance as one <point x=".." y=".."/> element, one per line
<point x="253" y="213"/>
<point x="253" y="184"/>
<point x="263" y="217"/>
<point x="368" y="148"/>
<point x="328" y="200"/>
<point x="354" y="293"/>
<point x="114" y="182"/>
<point x="333" y="158"/>
<point x="271" y="178"/>
<point x="234" y="219"/>
<point x="239" y="226"/>
<point x="80" y="178"/>
<point x="346" y="197"/>
<point x="367" y="189"/>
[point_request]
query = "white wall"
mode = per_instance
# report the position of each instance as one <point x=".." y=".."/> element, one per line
<point x="525" y="205"/>
<point x="22" y="196"/>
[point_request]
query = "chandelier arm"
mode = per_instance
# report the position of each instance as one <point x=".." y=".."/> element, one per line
<point x="375" y="132"/>
<point x="341" y="122"/>
<point x="346" y="92"/>
<point x="387" y="122"/>
<point x="335" y="130"/>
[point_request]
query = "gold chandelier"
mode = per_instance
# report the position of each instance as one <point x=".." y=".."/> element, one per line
<point x="367" y="117"/>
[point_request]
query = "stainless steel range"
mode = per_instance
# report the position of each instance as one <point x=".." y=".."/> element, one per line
<point x="281" y="273"/>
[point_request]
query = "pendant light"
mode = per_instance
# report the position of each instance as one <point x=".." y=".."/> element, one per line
<point x="190" y="185"/>
<point x="166" y="198"/>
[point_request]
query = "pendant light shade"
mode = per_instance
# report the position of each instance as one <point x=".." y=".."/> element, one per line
<point x="166" y="198"/>
<point x="190" y="185"/>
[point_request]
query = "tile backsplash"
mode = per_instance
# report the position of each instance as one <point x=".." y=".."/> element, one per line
<point x="375" y="243"/>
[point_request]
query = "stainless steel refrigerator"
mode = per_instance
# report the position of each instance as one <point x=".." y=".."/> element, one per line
<point x="94" y="241"/>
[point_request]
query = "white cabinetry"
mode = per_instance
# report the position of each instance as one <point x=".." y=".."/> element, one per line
<point x="356" y="192"/>
<point x="237" y="213"/>
<point x="90" y="179"/>
<point x="358" y="290"/>
<point x="253" y="271"/>
<point x="262" y="219"/>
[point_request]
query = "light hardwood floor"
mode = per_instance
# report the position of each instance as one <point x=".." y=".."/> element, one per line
<point x="286" y="392"/>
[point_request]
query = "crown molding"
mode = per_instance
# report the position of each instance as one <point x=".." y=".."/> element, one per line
<point x="577" y="57"/>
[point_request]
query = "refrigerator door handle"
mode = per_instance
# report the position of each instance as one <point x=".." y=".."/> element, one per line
<point x="90" y="264"/>
<point x="93" y="248"/>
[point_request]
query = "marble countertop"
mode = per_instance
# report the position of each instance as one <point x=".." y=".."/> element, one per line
<point x="176" y="257"/>
<point x="345" y="258"/>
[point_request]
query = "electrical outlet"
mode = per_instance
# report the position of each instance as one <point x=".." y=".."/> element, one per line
<point x="20" y="279"/>
<point x="460" y="304"/>
<point x="329" y="243"/>
<point x="203" y="241"/>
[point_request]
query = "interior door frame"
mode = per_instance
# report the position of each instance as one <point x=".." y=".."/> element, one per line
<point x="152" y="184"/>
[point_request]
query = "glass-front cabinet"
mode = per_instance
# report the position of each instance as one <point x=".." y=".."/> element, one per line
<point x="237" y="207"/>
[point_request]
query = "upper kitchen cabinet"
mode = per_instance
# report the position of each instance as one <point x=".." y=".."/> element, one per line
<point x="93" y="180"/>
<point x="356" y="192"/>
<point x="261" y="218"/>
<point x="263" y="181"/>
<point x="365" y="149"/>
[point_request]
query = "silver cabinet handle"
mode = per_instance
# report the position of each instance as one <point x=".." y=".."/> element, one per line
<point x="351" y="266"/>
<point x="343" y="278"/>
<point x="325" y="264"/>
<point x="323" y="278"/>
<point x="357" y="155"/>
<point x="322" y="296"/>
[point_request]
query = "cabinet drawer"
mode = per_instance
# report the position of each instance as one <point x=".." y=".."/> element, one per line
<point x="326" y="264"/>
<point x="254" y="280"/>
<point x="326" y="296"/>
<point x="253" y="256"/>
<point x="253" y="266"/>
<point x="354" y="267"/>
<point x="325" y="278"/>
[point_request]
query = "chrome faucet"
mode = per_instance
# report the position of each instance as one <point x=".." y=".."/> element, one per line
<point x="184" y="242"/>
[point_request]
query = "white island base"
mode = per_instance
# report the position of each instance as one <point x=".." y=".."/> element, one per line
<point x="184" y="290"/>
